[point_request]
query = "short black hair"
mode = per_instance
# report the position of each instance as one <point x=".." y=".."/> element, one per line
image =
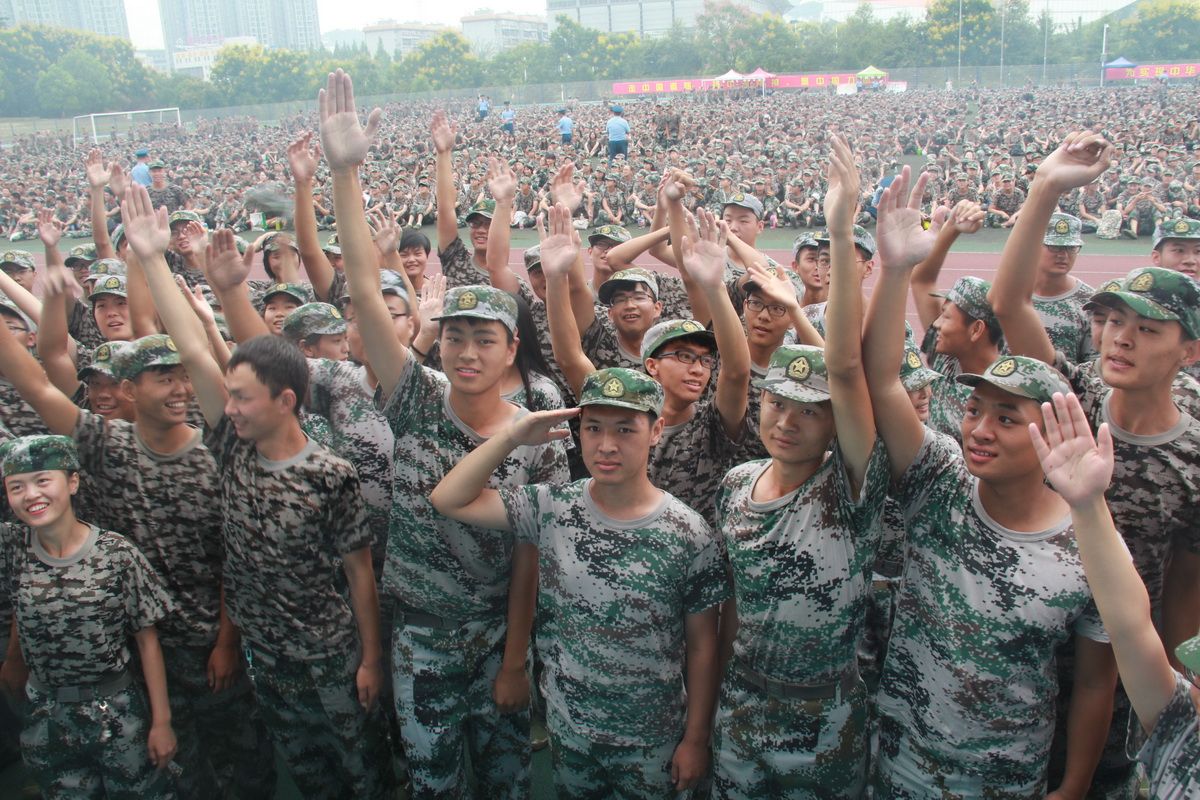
<point x="277" y="363"/>
<point x="413" y="238"/>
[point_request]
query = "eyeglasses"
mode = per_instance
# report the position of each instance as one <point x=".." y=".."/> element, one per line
<point x="687" y="358"/>
<point x="756" y="305"/>
<point x="631" y="297"/>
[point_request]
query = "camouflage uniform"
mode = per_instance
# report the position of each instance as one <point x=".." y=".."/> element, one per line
<point x="948" y="404"/>
<point x="966" y="700"/>
<point x="1173" y="748"/>
<point x="792" y="720"/>
<point x="285" y="525"/>
<point x="450" y="584"/>
<point x="1063" y="317"/>
<point x="614" y="696"/>
<point x="17" y="415"/>
<point x="600" y="341"/>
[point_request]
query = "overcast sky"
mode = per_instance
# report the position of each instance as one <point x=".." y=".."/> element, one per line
<point x="146" y="31"/>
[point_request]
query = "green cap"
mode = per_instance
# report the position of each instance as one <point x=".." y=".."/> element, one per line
<point x="1181" y="228"/>
<point x="863" y="239"/>
<point x="802" y="241"/>
<point x="157" y="164"/>
<point x="627" y="279"/>
<point x="746" y="201"/>
<point x="914" y="374"/>
<point x="480" y="302"/>
<point x="1157" y="293"/>
<point x="17" y="258"/>
<point x="672" y="329"/>
<point x="970" y="295"/>
<point x="7" y="304"/>
<point x="105" y="359"/>
<point x="390" y="282"/>
<point x="118" y="233"/>
<point x="299" y="291"/>
<point x="1189" y="655"/>
<point x="185" y="216"/>
<point x="272" y="242"/>
<point x="105" y="267"/>
<point x="622" y="388"/>
<point x="155" y="350"/>
<point x="533" y="257"/>
<point x="484" y="208"/>
<point x="37" y="453"/>
<point x="797" y="372"/>
<point x="613" y="233"/>
<point x="241" y="244"/>
<point x="113" y="284"/>
<point x="313" y="319"/>
<point x="81" y="252"/>
<point x="1064" y="230"/>
<point x="1022" y="376"/>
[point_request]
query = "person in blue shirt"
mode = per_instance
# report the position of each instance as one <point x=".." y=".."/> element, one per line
<point x="483" y="107"/>
<point x="618" y="133"/>
<point x="508" y="119"/>
<point x="141" y="170"/>
<point x="566" y="126"/>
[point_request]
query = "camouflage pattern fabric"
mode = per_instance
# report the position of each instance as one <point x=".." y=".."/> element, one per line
<point x="586" y="770"/>
<point x="1067" y="324"/>
<point x="1173" y="748"/>
<point x="92" y="749"/>
<point x="948" y="404"/>
<point x="333" y="748"/>
<point x="673" y="296"/>
<point x="19" y="416"/>
<point x="81" y="324"/>
<point x="285" y="524"/>
<point x="37" y="453"/>
<point x="966" y="701"/>
<point x="623" y="689"/>
<point x="544" y="394"/>
<point x="317" y="428"/>
<point x="443" y="693"/>
<point x="692" y="457"/>
<point x="603" y="347"/>
<point x="480" y="302"/>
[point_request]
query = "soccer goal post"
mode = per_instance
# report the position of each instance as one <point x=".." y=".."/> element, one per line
<point x="92" y="128"/>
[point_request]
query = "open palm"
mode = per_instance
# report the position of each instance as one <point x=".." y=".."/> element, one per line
<point x="343" y="137"/>
<point x="903" y="241"/>
<point x="1078" y="467"/>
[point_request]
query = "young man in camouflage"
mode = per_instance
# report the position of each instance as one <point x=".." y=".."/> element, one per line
<point x="464" y="598"/>
<point x="992" y="586"/>
<point x="1151" y="332"/>
<point x="1057" y="296"/>
<point x="290" y="511"/>
<point x="611" y="546"/>
<point x="1177" y="246"/>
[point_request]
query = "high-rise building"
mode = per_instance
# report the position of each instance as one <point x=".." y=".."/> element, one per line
<point x="105" y="17"/>
<point x="398" y="39"/>
<point x="491" y="33"/>
<point x="643" y="17"/>
<point x="291" y="24"/>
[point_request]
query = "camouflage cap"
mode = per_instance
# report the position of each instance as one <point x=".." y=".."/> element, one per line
<point x="105" y="267"/>
<point x="822" y="237"/>
<point x="914" y="374"/>
<point x="1064" y="230"/>
<point x="484" y="208"/>
<point x="157" y="163"/>
<point x="970" y="295"/>
<point x="622" y="388"/>
<point x="313" y="319"/>
<point x="864" y="240"/>
<point x="301" y="292"/>
<point x="113" y="284"/>
<point x="613" y="233"/>
<point x="390" y="282"/>
<point x="802" y="241"/>
<point x="7" y="304"/>
<point x="627" y="279"/>
<point x="672" y="329"/>
<point x="332" y="240"/>
<point x="105" y="359"/>
<point x="38" y="453"/>
<point x="744" y="200"/>
<point x="155" y="350"/>
<point x="1157" y="293"/>
<point x="1181" y="228"/>
<point x="797" y="372"/>
<point x="183" y="215"/>
<point x="533" y="257"/>
<point x="480" y="302"/>
<point x="1022" y="376"/>
<point x="241" y="244"/>
<point x="81" y="252"/>
<point x="1188" y="653"/>
<point x="277" y="240"/>
<point x="117" y="235"/>
<point x="16" y="258"/>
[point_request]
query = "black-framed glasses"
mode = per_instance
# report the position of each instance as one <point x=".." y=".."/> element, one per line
<point x="756" y="305"/>
<point x="687" y="358"/>
<point x="631" y="297"/>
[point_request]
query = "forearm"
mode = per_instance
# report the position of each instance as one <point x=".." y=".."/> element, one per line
<point x="142" y="317"/>
<point x="154" y="674"/>
<point x="926" y="274"/>
<point x="564" y="334"/>
<point x="446" y="197"/>
<point x="806" y="332"/>
<point x="465" y="483"/>
<point x="1088" y="721"/>
<point x="22" y="297"/>
<point x="498" y="248"/>
<point x="227" y="633"/>
<point x="240" y="315"/>
<point x="522" y="600"/>
<point x="100" y="215"/>
<point x="623" y="255"/>
<point x="703" y="678"/>
<point x="365" y="601"/>
<point x="1116" y="586"/>
<point x="316" y="263"/>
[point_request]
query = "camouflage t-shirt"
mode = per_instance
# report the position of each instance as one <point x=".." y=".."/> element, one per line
<point x="970" y="670"/>
<point x="81" y="324"/>
<point x="673" y="296"/>
<point x="602" y="346"/>
<point x="948" y="403"/>
<point x="166" y="505"/>
<point x="434" y="564"/>
<point x="543" y="395"/>
<point x="75" y="615"/>
<point x="1173" y="749"/>
<point x="692" y="457"/>
<point x="16" y="414"/>
<point x="286" y="523"/>
<point x="801" y="567"/>
<point x="612" y="601"/>
<point x="1065" y="321"/>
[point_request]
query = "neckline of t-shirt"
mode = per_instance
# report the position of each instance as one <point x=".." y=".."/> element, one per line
<point x="278" y="466"/>
<point x="697" y="409"/>
<point x="84" y="550"/>
<point x="464" y="427"/>
<point x="623" y="524"/>
<point x="1150" y="440"/>
<point x="150" y="452"/>
<point x="1051" y="298"/>
<point x="1008" y="533"/>
<point x="761" y="507"/>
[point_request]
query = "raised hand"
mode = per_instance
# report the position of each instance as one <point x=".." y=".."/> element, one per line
<point x="501" y="180"/>
<point x="676" y="184"/>
<point x="118" y="181"/>
<point x="1077" y="466"/>
<point x="903" y="242"/>
<point x="195" y="236"/>
<point x="56" y="281"/>
<point x="1082" y="157"/>
<point x="387" y="233"/>
<point x="146" y="228"/>
<point x="50" y="230"/>
<point x="442" y="132"/>
<point x="967" y="216"/>
<point x="560" y="248"/>
<point x="773" y="287"/>
<point x="541" y="427"/>
<point x="844" y="186"/>
<point x="301" y="158"/>
<point x="703" y="248"/>
<point x="565" y="189"/>
<point x="97" y="170"/>
<point x="343" y="138"/>
<point x="433" y="295"/>
<point x="196" y="299"/>
<point x="227" y="268"/>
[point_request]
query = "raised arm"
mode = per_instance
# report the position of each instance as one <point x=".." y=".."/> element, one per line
<point x="97" y="175"/>
<point x="502" y="182"/>
<point x="674" y="187"/>
<point x="149" y="234"/>
<point x="443" y="134"/>
<point x="227" y="273"/>
<point x="32" y="383"/>
<point x="303" y="161"/>
<point x="560" y="250"/>
<point x="622" y="256"/>
<point x="965" y="217"/>
<point x="903" y="243"/>
<point x="54" y="346"/>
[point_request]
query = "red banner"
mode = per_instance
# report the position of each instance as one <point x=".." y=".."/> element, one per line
<point x="812" y="80"/>
<point x="1151" y="71"/>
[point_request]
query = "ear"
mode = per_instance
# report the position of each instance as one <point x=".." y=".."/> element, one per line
<point x="127" y="389"/>
<point x="307" y="349"/>
<point x="1156" y="257"/>
<point x="651" y="367"/>
<point x="1191" y="352"/>
<point x="977" y="331"/>
<point x="656" y="430"/>
<point x="73" y="483"/>
<point x="287" y="401"/>
<point x="513" y="346"/>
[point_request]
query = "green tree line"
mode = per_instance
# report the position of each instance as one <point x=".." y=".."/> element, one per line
<point x="57" y="73"/>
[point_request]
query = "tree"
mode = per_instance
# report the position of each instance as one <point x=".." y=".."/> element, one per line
<point x="1160" y="30"/>
<point x="443" y="62"/>
<point x="77" y="83"/>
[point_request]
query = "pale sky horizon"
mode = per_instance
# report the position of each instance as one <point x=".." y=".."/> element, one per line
<point x="146" y="31"/>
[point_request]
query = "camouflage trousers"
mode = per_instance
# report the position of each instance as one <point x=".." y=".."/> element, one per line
<point x="92" y="749"/>
<point x="906" y="770"/>
<point x="331" y="746"/>
<point x="442" y="681"/>
<point x="770" y="747"/>
<point x="586" y="770"/>
<point x="223" y="743"/>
